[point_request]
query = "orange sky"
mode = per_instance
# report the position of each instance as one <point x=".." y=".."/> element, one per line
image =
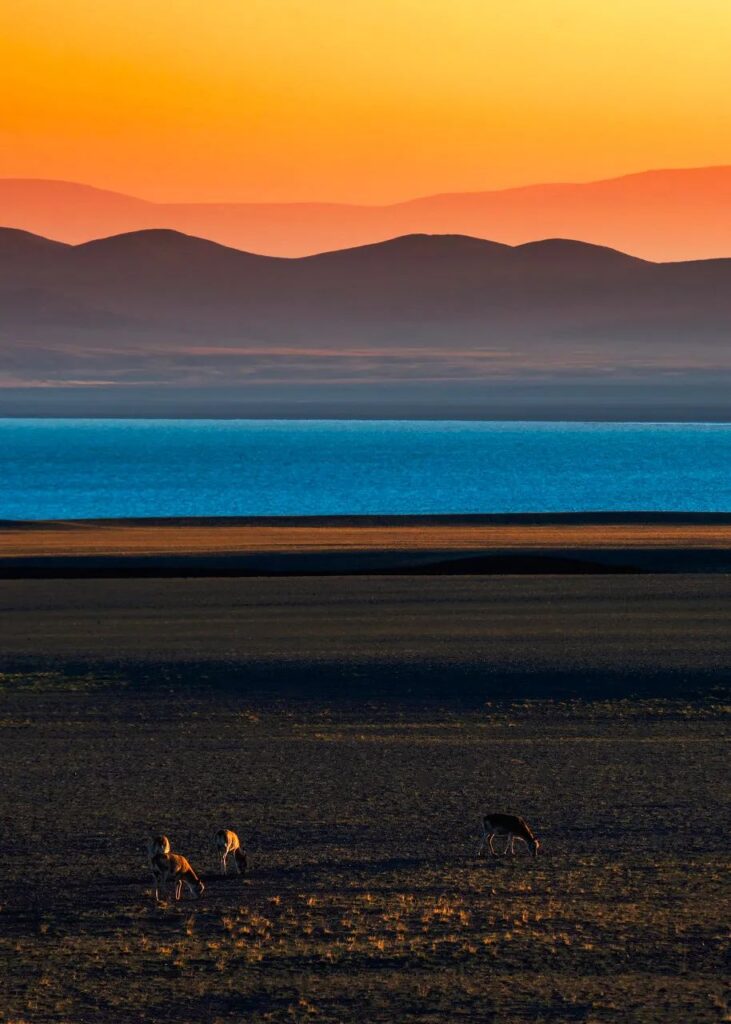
<point x="361" y="100"/>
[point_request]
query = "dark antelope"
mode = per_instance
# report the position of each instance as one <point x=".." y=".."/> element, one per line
<point x="511" y="826"/>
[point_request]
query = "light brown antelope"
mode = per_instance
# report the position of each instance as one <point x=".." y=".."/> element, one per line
<point x="172" y="869"/>
<point x="511" y="826"/>
<point x="156" y="845"/>
<point x="228" y="842"/>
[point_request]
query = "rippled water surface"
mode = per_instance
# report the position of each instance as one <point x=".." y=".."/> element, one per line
<point x="52" y="469"/>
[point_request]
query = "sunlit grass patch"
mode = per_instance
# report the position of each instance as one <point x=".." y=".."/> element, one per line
<point x="58" y="682"/>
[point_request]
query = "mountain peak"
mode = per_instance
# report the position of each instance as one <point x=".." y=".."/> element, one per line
<point x="148" y="236"/>
<point x="571" y="249"/>
<point x="418" y="243"/>
<point x="25" y="248"/>
<point x="163" y="244"/>
<point x="15" y="237"/>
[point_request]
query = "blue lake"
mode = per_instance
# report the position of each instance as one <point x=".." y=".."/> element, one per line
<point x="53" y="469"/>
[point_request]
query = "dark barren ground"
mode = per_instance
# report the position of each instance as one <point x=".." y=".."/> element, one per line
<point x="463" y="637"/>
<point x="365" y="901"/>
<point x="352" y="729"/>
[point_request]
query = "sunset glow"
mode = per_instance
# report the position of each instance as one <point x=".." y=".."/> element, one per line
<point x="365" y="101"/>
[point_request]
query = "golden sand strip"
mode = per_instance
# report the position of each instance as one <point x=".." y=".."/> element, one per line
<point x="119" y="539"/>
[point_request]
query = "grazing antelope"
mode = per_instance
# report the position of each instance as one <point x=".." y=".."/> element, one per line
<point x="228" y="842"/>
<point x="511" y="826"/>
<point x="171" y="868"/>
<point x="156" y="845"/>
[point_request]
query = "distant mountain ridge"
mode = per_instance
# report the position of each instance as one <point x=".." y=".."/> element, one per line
<point x="676" y="214"/>
<point x="402" y="288"/>
<point x="439" y="317"/>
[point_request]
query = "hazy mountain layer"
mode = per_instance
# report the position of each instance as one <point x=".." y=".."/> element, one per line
<point x="658" y="215"/>
<point x="448" y="319"/>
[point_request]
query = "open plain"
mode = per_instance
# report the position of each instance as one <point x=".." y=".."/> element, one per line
<point x="365" y="900"/>
<point x="352" y="728"/>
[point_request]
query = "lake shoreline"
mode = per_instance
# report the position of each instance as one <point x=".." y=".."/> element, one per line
<point x="536" y="544"/>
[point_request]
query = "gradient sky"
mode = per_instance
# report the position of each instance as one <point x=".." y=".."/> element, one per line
<point x="358" y="100"/>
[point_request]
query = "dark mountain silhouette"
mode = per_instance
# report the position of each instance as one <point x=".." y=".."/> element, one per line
<point x="445" y="313"/>
<point x="402" y="287"/>
<point x="678" y="214"/>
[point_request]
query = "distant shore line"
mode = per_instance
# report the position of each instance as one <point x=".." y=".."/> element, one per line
<point x="416" y="519"/>
<point x="500" y="544"/>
